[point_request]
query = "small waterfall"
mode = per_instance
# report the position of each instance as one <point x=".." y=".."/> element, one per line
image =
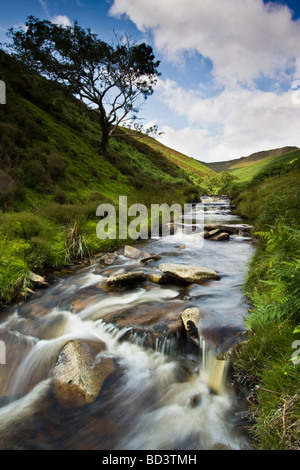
<point x="170" y="345"/>
<point x="213" y="371"/>
<point x="167" y="346"/>
<point x="216" y="205"/>
<point x="142" y="340"/>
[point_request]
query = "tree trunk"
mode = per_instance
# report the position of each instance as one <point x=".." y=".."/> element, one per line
<point x="104" y="141"/>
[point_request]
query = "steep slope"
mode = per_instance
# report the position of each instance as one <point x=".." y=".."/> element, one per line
<point x="49" y="145"/>
<point x="194" y="169"/>
<point x="52" y="178"/>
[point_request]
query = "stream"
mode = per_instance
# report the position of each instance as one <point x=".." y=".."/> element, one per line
<point x="164" y="393"/>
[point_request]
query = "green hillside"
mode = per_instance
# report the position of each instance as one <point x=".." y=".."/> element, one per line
<point x="194" y="169"/>
<point x="52" y="177"/>
<point x="247" y="172"/>
<point x="253" y="159"/>
<point x="49" y="146"/>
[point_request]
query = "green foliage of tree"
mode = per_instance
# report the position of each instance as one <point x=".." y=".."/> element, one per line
<point x="217" y="183"/>
<point x="111" y="80"/>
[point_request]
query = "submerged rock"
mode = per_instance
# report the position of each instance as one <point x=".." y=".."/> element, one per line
<point x="108" y="258"/>
<point x="220" y="237"/>
<point x="186" y="273"/>
<point x="156" y="325"/>
<point x="191" y="291"/>
<point x="158" y="278"/>
<point x="80" y="373"/>
<point x="150" y="258"/>
<point x="220" y="446"/>
<point x="132" y="277"/>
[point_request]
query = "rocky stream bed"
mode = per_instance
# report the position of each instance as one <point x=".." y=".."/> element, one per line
<point x="129" y="352"/>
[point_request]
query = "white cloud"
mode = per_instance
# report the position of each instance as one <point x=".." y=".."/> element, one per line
<point x="237" y="122"/>
<point x="242" y="38"/>
<point x="245" y="41"/>
<point x="61" y="20"/>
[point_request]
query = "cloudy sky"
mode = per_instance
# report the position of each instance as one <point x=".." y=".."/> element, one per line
<point x="230" y="69"/>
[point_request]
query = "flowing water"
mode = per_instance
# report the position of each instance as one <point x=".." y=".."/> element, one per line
<point x="164" y="394"/>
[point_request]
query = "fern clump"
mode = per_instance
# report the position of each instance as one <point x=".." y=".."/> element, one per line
<point x="278" y="296"/>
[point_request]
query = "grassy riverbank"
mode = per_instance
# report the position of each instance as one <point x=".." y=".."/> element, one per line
<point x="264" y="363"/>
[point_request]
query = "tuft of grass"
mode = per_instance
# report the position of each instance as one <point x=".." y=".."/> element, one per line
<point x="14" y="272"/>
<point x="76" y="245"/>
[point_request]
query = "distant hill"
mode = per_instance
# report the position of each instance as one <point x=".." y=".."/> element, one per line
<point x="247" y="167"/>
<point x="228" y="165"/>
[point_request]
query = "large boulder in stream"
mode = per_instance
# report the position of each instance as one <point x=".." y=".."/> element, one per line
<point x="80" y="372"/>
<point x="134" y="253"/>
<point x="142" y="256"/>
<point x="190" y="274"/>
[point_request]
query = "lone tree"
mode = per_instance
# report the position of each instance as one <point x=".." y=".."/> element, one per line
<point x="111" y="80"/>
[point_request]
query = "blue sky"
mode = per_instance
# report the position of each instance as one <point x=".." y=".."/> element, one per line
<point x="229" y="68"/>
